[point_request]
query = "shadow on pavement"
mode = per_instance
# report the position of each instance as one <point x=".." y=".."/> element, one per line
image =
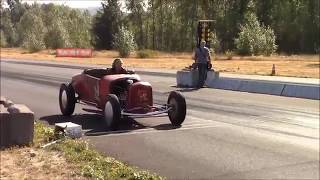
<point x="93" y="124"/>
<point x="87" y="121"/>
<point x="165" y="127"/>
<point x="187" y="89"/>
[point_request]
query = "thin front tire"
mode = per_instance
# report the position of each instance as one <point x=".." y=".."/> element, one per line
<point x="179" y="108"/>
<point x="112" y="112"/>
<point x="67" y="99"/>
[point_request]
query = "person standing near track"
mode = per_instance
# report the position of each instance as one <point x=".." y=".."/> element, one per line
<point x="202" y="59"/>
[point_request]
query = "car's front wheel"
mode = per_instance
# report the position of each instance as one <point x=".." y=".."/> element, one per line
<point x="67" y="99"/>
<point x="112" y="112"/>
<point x="177" y="102"/>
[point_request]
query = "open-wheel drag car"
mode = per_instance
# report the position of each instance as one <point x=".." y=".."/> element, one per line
<point x="118" y="96"/>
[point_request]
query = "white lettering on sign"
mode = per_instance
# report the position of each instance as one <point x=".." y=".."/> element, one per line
<point x="73" y="52"/>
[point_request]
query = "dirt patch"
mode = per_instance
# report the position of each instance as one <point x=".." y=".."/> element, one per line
<point x="295" y="66"/>
<point x="34" y="163"/>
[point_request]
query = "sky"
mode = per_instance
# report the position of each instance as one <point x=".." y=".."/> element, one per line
<point x="71" y="3"/>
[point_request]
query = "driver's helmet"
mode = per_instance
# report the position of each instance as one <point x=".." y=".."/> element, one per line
<point x="116" y="61"/>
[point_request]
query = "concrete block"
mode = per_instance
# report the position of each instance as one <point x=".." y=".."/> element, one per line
<point x="301" y="91"/>
<point x="187" y="78"/>
<point x="225" y="83"/>
<point x="2" y="100"/>
<point x="261" y="87"/>
<point x="2" y="108"/>
<point x="212" y="76"/>
<point x="8" y="103"/>
<point x="71" y="129"/>
<point x="21" y="124"/>
<point x="4" y="127"/>
<point x="19" y="108"/>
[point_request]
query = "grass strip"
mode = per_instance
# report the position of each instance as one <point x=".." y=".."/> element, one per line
<point x="92" y="164"/>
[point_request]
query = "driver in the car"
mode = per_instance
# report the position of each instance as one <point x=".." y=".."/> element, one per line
<point x="117" y="67"/>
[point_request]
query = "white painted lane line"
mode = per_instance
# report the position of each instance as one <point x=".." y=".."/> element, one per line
<point x="116" y="133"/>
<point x="190" y="126"/>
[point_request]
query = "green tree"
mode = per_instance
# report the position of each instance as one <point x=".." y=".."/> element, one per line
<point x="8" y="29"/>
<point x="136" y="8"/>
<point x="57" y="36"/>
<point x="17" y="9"/>
<point x="67" y="27"/>
<point x="3" y="41"/>
<point x="32" y="31"/>
<point x="124" y="42"/>
<point x="255" y="39"/>
<point x="170" y="25"/>
<point x="78" y="26"/>
<point x="106" y="24"/>
<point x="33" y="43"/>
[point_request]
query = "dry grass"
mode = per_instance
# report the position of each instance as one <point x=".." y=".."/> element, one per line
<point x="66" y="159"/>
<point x="296" y="66"/>
<point x="35" y="163"/>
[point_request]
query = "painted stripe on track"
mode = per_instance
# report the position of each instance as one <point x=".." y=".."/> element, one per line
<point x="202" y="123"/>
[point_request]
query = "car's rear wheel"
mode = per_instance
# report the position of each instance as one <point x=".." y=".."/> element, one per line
<point x="179" y="108"/>
<point x="67" y="99"/>
<point x="112" y="112"/>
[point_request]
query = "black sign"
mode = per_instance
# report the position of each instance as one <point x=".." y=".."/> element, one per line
<point x="205" y="30"/>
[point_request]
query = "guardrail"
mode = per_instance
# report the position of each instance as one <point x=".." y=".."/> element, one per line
<point x="308" y="91"/>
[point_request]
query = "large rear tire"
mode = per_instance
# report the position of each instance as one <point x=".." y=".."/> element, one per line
<point x="67" y="99"/>
<point x="112" y="112"/>
<point x="179" y="108"/>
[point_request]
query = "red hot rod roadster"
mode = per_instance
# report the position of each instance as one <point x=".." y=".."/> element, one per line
<point x="118" y="96"/>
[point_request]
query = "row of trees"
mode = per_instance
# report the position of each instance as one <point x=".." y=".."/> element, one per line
<point x="245" y="26"/>
<point x="36" y="27"/>
<point x="170" y="25"/>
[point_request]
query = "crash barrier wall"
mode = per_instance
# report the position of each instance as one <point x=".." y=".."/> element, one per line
<point x="187" y="78"/>
<point x="306" y="91"/>
<point x="16" y="124"/>
<point x="190" y="78"/>
<point x="73" y="52"/>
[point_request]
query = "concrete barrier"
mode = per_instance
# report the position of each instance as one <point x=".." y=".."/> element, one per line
<point x="261" y="87"/>
<point x="4" y="126"/>
<point x="187" y="78"/>
<point x="8" y="103"/>
<point x="272" y="88"/>
<point x="17" y="125"/>
<point x="226" y="83"/>
<point x="2" y="100"/>
<point x="212" y="76"/>
<point x="301" y="91"/>
<point x="21" y="125"/>
<point x="191" y="78"/>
